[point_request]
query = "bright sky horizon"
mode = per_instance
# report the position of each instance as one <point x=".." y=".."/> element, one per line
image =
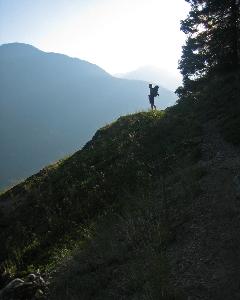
<point x="117" y="35"/>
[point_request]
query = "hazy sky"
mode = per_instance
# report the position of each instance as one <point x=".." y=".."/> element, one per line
<point x="118" y="35"/>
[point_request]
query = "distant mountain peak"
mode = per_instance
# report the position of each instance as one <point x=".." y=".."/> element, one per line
<point x="18" y="50"/>
<point x="154" y="75"/>
<point x="19" y="45"/>
<point x="21" y="50"/>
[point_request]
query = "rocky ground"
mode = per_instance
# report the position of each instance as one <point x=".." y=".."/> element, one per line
<point x="205" y="256"/>
<point x="33" y="287"/>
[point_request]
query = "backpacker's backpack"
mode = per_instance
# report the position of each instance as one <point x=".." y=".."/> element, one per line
<point x="155" y="91"/>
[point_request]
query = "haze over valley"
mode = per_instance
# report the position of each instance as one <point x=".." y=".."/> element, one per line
<point x="51" y="104"/>
<point x="163" y="77"/>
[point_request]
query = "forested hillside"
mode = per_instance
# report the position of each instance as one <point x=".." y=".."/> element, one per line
<point x="210" y="62"/>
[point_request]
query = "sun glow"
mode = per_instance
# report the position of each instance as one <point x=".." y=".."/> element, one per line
<point x="118" y="35"/>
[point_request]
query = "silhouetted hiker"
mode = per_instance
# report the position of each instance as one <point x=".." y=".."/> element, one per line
<point x="153" y="94"/>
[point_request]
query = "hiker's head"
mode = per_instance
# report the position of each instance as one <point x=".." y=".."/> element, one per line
<point x="150" y="85"/>
<point x="157" y="87"/>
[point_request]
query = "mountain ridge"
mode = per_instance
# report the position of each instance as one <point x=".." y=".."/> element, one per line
<point x="13" y="49"/>
<point x="51" y="104"/>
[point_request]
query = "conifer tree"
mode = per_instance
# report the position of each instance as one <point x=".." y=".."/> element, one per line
<point x="213" y="42"/>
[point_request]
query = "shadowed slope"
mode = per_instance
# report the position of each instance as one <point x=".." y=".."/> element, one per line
<point x="148" y="209"/>
<point x="55" y="208"/>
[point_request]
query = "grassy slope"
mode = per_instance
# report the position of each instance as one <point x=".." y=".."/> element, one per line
<point x="105" y="204"/>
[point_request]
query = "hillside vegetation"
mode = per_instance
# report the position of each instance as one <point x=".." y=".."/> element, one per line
<point x="115" y="177"/>
<point x="117" y="218"/>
